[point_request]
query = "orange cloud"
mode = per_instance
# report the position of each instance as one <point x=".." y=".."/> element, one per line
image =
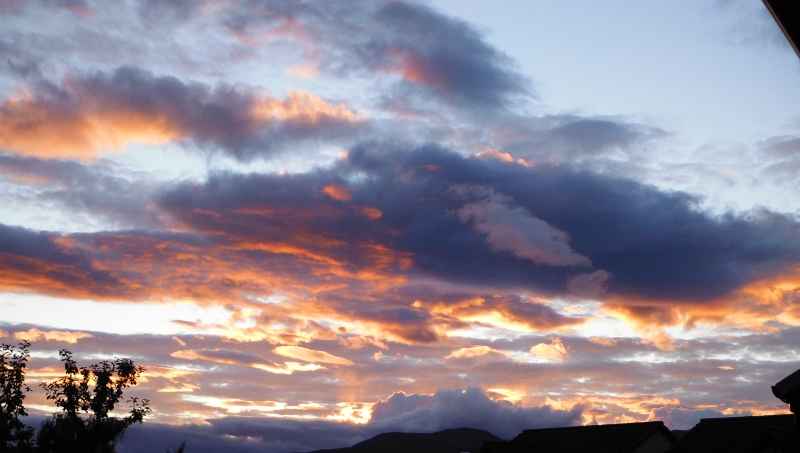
<point x="302" y="107"/>
<point x="337" y="192"/>
<point x="310" y="355"/>
<point x="358" y="413"/>
<point x="505" y="312"/>
<point x="35" y="127"/>
<point x="412" y="69"/>
<point x="371" y="212"/>
<point x="236" y="358"/>
<point x="555" y="351"/>
<point x="35" y="334"/>
<point x="491" y="153"/>
<point x="751" y="307"/>
<point x="98" y="114"/>
<point x="474" y="351"/>
<point x="604" y="341"/>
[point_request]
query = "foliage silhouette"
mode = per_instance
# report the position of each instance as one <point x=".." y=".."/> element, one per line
<point x="13" y="361"/>
<point x="93" y="391"/>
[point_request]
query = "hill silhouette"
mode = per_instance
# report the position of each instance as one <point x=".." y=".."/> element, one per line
<point x="455" y="440"/>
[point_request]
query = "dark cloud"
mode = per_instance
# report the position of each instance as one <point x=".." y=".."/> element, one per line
<point x="446" y="55"/>
<point x="33" y="259"/>
<point x="410" y="324"/>
<point x="396" y="212"/>
<point x="656" y="245"/>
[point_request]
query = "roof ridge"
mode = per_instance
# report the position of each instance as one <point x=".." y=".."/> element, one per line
<point x="746" y="416"/>
<point x="660" y="426"/>
<point x="595" y="426"/>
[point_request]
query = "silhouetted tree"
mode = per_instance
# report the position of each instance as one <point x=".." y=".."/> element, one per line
<point x="95" y="431"/>
<point x="13" y="361"/>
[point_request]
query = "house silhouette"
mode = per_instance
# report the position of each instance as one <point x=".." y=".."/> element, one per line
<point x="762" y="434"/>
<point x="768" y="433"/>
<point x="645" y="437"/>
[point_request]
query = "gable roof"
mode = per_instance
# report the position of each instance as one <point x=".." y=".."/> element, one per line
<point x="735" y="434"/>
<point x="619" y="438"/>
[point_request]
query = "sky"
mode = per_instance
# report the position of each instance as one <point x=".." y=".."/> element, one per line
<point x="316" y="221"/>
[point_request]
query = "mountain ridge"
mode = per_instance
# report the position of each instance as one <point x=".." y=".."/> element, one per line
<point x="453" y="440"/>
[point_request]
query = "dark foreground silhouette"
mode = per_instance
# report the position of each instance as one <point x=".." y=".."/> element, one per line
<point x="448" y="441"/>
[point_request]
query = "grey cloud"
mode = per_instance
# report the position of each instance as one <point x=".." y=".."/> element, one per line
<point x="782" y="156"/>
<point x="399" y="404"/>
<point x="566" y="138"/>
<point x="683" y="418"/>
<point x="434" y="54"/>
<point x="513" y="229"/>
<point x="100" y="190"/>
<point x="450" y="56"/>
<point x="17" y="62"/>
<point x="473" y="409"/>
<point x="782" y="147"/>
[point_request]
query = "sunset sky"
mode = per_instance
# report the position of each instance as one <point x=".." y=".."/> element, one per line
<point x="316" y="221"/>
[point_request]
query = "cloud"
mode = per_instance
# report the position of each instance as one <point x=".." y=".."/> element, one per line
<point x="233" y="357"/>
<point x="590" y="284"/>
<point x="447" y="56"/>
<point x="555" y="351"/>
<point x="99" y="112"/>
<point x="432" y="55"/>
<point x="509" y="312"/>
<point x="35" y="334"/>
<point x="571" y="138"/>
<point x="472" y="408"/>
<point x="98" y="191"/>
<point x="443" y="410"/>
<point x="683" y="418"/>
<point x="604" y="341"/>
<point x="473" y="351"/>
<point x="476" y="356"/>
<point x="650" y="256"/>
<point x="31" y="259"/>
<point x="782" y="157"/>
<point x="513" y="229"/>
<point x="309" y="355"/>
